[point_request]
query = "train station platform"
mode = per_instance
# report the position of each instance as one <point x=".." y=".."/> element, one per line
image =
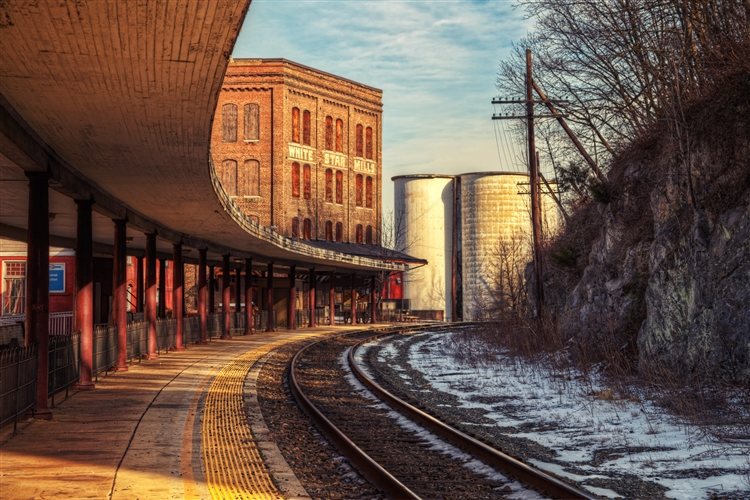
<point x="175" y="427"/>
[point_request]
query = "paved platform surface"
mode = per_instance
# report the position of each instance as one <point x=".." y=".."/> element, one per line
<point x="174" y="427"/>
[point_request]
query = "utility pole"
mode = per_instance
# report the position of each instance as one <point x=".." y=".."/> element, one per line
<point x="533" y="164"/>
<point x="536" y="213"/>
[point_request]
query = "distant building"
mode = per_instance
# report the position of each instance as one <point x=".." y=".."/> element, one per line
<point x="474" y="230"/>
<point x="299" y="150"/>
<point x="13" y="275"/>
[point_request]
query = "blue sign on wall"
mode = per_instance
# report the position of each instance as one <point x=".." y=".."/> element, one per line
<point x="57" y="278"/>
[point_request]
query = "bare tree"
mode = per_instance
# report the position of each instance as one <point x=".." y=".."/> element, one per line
<point x="625" y="65"/>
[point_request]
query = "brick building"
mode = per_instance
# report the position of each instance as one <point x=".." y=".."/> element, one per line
<point x="300" y="150"/>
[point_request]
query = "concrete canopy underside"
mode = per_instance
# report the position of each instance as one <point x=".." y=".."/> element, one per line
<point x="115" y="100"/>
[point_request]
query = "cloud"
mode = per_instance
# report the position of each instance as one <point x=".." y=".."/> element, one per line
<point x="435" y="61"/>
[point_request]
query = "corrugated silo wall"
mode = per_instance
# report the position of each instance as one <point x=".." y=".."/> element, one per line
<point x="424" y="229"/>
<point x="496" y="240"/>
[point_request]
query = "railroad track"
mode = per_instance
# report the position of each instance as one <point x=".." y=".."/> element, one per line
<point x="397" y="456"/>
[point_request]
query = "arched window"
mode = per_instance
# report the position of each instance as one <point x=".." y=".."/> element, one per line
<point x="368" y="192"/>
<point x="339" y="232"/>
<point x="339" y="187"/>
<point x="295" y="180"/>
<point x="358" y="191"/>
<point x="307" y="229"/>
<point x="329" y="185"/>
<point x="229" y="122"/>
<point x="359" y="141"/>
<point x="359" y="233"/>
<point x="368" y="143"/>
<point x="252" y="122"/>
<point x="306" y="181"/>
<point x="295" y="125"/>
<point x="306" y="127"/>
<point x="295" y="227"/>
<point x="329" y="230"/>
<point x="248" y="183"/>
<point x="339" y="135"/>
<point x="329" y="133"/>
<point x="368" y="235"/>
<point x="228" y="177"/>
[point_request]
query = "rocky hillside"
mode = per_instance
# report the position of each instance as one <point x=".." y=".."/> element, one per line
<point x="658" y="271"/>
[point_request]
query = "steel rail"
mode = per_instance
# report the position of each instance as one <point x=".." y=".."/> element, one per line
<point x="368" y="467"/>
<point x="500" y="461"/>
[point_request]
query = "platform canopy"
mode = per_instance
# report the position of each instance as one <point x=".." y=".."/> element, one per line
<point x="115" y="100"/>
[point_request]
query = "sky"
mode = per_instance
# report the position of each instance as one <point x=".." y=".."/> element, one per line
<point x="436" y="62"/>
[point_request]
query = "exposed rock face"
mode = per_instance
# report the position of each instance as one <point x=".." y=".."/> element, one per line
<point x="667" y="279"/>
<point x="698" y="294"/>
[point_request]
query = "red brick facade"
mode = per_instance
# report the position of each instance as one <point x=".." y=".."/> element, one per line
<point x="300" y="150"/>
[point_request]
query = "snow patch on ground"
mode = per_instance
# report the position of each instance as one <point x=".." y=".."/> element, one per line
<point x="517" y="490"/>
<point x="564" y="415"/>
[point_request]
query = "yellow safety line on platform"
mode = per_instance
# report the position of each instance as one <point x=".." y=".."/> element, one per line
<point x="234" y="467"/>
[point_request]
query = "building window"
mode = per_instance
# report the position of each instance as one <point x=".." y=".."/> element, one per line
<point x="252" y="122"/>
<point x="295" y="125"/>
<point x="339" y="232"/>
<point x="339" y="135"/>
<point x="339" y="187"/>
<point x="229" y="122"/>
<point x="368" y="192"/>
<point x="295" y="180"/>
<point x="359" y="233"/>
<point x="14" y="287"/>
<point x="329" y="230"/>
<point x="249" y="179"/>
<point x="329" y="185"/>
<point x="329" y="133"/>
<point x="306" y="181"/>
<point x="228" y="177"/>
<point x="368" y="235"/>
<point x="358" y="191"/>
<point x="307" y="229"/>
<point x="306" y="127"/>
<point x="359" y="141"/>
<point x="295" y="227"/>
<point x="368" y="143"/>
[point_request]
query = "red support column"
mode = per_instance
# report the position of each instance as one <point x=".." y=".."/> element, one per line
<point x="85" y="293"/>
<point x="211" y="290"/>
<point x="332" y="301"/>
<point x="311" y="297"/>
<point x="151" y="294"/>
<point x="139" y="278"/>
<point x="354" y="303"/>
<point x="249" y="312"/>
<point x="178" y="296"/>
<point x="37" y="285"/>
<point x="119" y="295"/>
<point x="202" y="296"/>
<point x="271" y="322"/>
<point x="291" y="307"/>
<point x="373" y="300"/>
<point x="238" y="291"/>
<point x="226" y="305"/>
<point x="162" y="289"/>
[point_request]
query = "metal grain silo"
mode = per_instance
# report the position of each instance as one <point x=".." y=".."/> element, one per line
<point x="496" y="240"/>
<point x="424" y="228"/>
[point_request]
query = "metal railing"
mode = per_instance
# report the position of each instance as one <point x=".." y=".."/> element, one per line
<point x="191" y="329"/>
<point x="11" y="326"/>
<point x="60" y="323"/>
<point x="17" y="383"/>
<point x="64" y="356"/>
<point x="18" y="364"/>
